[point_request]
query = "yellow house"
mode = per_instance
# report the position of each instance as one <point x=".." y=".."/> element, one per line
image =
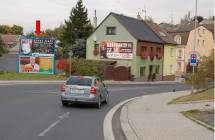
<point x="169" y="64"/>
<point x="170" y="46"/>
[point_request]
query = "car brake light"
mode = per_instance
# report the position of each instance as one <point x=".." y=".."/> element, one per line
<point x="93" y="90"/>
<point x="62" y="88"/>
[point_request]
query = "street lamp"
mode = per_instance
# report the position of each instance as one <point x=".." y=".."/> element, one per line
<point x="194" y="47"/>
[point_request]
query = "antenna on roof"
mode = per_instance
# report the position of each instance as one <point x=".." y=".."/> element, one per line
<point x="144" y="11"/>
<point x="95" y="19"/>
<point x="138" y="16"/>
<point x="171" y="22"/>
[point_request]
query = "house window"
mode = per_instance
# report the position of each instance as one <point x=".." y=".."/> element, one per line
<point x="199" y="31"/>
<point x="177" y="39"/>
<point x="180" y="54"/>
<point x="171" y="52"/>
<point x="158" y="50"/>
<point x="203" y="31"/>
<point x="143" y="49"/>
<point x="170" y="69"/>
<point x="203" y="42"/>
<point x="96" y="46"/>
<point x="111" y="30"/>
<point x="151" y="49"/>
<point x="198" y="42"/>
<point x="142" y="71"/>
<point x="179" y="66"/>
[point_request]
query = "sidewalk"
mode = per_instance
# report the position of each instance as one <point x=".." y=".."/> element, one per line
<point x="151" y="118"/>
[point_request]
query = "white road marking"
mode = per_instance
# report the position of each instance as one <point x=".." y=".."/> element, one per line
<point x="60" y="118"/>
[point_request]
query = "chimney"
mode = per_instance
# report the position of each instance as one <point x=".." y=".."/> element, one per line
<point x="95" y="20"/>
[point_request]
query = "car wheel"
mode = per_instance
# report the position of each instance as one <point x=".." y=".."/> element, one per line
<point x="99" y="103"/>
<point x="107" y="98"/>
<point x="64" y="103"/>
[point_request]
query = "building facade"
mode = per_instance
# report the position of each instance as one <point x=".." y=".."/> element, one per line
<point x="204" y="43"/>
<point x="128" y="43"/>
<point x="184" y="36"/>
<point x="11" y="43"/>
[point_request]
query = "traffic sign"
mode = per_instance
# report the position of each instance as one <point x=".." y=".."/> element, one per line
<point x="193" y="60"/>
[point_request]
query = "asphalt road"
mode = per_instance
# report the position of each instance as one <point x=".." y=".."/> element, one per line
<point x="34" y="112"/>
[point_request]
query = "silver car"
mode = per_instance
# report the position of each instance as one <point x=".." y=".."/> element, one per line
<point x="86" y="89"/>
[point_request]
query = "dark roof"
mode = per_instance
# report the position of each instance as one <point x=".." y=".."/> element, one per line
<point x="210" y="27"/>
<point x="168" y="39"/>
<point x="138" y="29"/>
<point x="184" y="30"/>
<point x="184" y="36"/>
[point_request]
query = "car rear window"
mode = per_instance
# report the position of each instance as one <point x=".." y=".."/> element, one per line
<point x="79" y="81"/>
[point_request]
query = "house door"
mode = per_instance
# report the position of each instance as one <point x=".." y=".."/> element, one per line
<point x="142" y="71"/>
<point x="150" y="72"/>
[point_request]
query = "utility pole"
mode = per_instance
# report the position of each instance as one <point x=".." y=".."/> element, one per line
<point x="194" y="47"/>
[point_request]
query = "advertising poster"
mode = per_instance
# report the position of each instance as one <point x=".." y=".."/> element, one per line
<point x="116" y="50"/>
<point x="43" y="46"/>
<point x="25" y="46"/>
<point x="36" y="55"/>
<point x="31" y="64"/>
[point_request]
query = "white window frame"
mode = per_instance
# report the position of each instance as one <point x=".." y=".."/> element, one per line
<point x="171" y="52"/>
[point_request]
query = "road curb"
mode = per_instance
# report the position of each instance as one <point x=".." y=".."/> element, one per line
<point x="199" y="122"/>
<point x="107" y="124"/>
<point x="126" y="124"/>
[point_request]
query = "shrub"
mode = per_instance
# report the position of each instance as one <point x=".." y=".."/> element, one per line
<point x="203" y="74"/>
<point x="82" y="67"/>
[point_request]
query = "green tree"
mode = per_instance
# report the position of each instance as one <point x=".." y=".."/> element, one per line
<point x="56" y="32"/>
<point x="18" y="30"/>
<point x="5" y="29"/>
<point x="187" y="18"/>
<point x="78" y="26"/>
<point x="1" y="47"/>
<point x="15" y="29"/>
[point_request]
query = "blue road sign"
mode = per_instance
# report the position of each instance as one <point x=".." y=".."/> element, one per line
<point x="193" y="60"/>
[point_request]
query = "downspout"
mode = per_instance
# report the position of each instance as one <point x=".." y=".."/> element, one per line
<point x="163" y="62"/>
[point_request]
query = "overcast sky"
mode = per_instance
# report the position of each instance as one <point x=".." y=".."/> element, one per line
<point x="52" y="13"/>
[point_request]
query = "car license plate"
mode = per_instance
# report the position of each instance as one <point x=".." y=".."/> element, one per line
<point x="77" y="91"/>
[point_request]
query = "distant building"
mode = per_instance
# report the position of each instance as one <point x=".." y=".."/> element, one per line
<point x="130" y="46"/>
<point x="184" y="36"/>
<point x="204" y="43"/>
<point x="11" y="43"/>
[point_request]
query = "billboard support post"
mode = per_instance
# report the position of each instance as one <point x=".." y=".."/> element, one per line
<point x="70" y="59"/>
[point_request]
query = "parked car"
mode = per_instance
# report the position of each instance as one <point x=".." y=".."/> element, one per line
<point x="84" y="89"/>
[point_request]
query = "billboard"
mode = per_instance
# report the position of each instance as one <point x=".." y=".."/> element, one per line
<point x="32" y="64"/>
<point x="116" y="50"/>
<point x="36" y="55"/>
